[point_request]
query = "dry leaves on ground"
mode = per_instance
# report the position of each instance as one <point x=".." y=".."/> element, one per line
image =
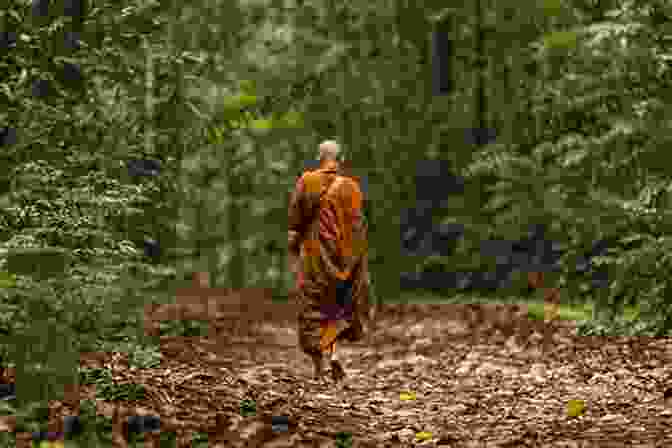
<point x="469" y="388"/>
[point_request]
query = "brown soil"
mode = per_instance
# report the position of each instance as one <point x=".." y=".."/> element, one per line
<point x="473" y="385"/>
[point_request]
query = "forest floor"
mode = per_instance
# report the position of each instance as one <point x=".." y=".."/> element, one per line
<point x="422" y="372"/>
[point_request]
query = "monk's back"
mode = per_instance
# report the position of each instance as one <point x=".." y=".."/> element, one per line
<point x="340" y="203"/>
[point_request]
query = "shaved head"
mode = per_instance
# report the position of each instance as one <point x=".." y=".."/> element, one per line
<point x="329" y="150"/>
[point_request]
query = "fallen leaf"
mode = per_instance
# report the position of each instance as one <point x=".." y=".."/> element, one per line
<point x="423" y="435"/>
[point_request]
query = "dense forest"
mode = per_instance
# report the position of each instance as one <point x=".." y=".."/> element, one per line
<point x="143" y="140"/>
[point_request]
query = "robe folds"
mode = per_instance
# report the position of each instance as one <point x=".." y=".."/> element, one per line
<point x="328" y="234"/>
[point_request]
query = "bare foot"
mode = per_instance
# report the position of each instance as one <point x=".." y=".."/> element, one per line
<point x="318" y="367"/>
<point x="337" y="371"/>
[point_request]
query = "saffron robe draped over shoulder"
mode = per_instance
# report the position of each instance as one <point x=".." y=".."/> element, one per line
<point x="327" y="229"/>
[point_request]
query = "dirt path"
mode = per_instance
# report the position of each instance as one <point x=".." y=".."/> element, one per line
<point x="469" y="391"/>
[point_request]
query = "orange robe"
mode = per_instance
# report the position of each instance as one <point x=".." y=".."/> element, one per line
<point x="327" y="229"/>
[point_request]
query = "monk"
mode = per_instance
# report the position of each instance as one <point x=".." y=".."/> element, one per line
<point x="328" y="249"/>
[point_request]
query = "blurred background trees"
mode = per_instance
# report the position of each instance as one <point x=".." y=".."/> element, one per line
<point x="152" y="138"/>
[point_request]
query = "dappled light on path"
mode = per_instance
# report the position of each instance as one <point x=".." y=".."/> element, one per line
<point x="429" y="375"/>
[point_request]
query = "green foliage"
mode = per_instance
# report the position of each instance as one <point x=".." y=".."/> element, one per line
<point x="200" y="440"/>
<point x="624" y="327"/>
<point x="343" y="440"/>
<point x="234" y="107"/>
<point x="120" y="391"/>
<point x="552" y="7"/>
<point x="7" y="439"/>
<point x="107" y="388"/>
<point x="560" y="40"/>
<point x="42" y="262"/>
<point x="33" y="417"/>
<point x="95" y="376"/>
<point x="248" y="408"/>
<point x="291" y="119"/>
<point x="7" y="280"/>
<point x="97" y="428"/>
<point x="590" y="172"/>
<point x="184" y="327"/>
<point x="238" y="104"/>
<point x="144" y="357"/>
<point x="69" y="191"/>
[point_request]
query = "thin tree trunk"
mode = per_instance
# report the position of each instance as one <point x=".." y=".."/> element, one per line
<point x="149" y="98"/>
<point x="480" y="112"/>
<point x="236" y="268"/>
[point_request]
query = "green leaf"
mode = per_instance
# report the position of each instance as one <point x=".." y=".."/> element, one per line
<point x="239" y="102"/>
<point x="7" y="280"/>
<point x="248" y="87"/>
<point x="233" y="107"/>
<point x="551" y="7"/>
<point x="291" y="119"/>
<point x="216" y="135"/>
<point x="634" y="238"/>
<point x="197" y="111"/>
<point x="15" y="15"/>
<point x="261" y="124"/>
<point x="443" y="15"/>
<point x="560" y="40"/>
